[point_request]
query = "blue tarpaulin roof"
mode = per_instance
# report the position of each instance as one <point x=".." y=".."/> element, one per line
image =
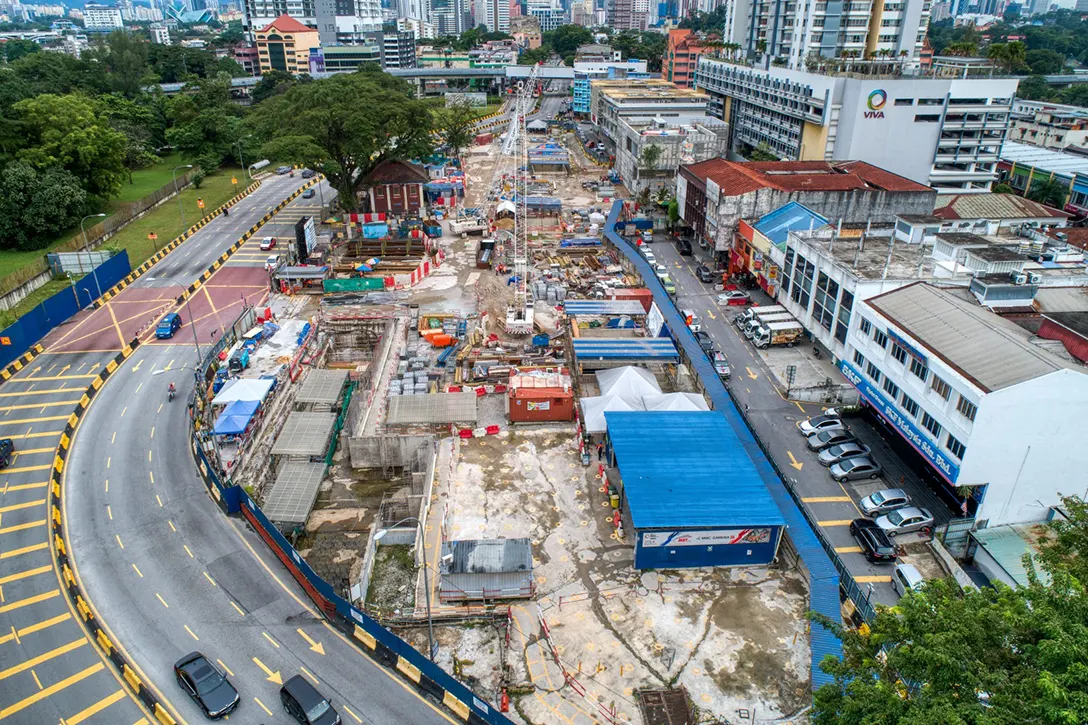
<point x="604" y="307"/>
<point x="654" y="349"/>
<point x="683" y="469"/>
<point x="235" y="417"/>
<point x="791" y="217"/>
<point x="543" y="202"/>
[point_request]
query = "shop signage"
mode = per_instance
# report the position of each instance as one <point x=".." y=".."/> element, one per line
<point x="718" y="537"/>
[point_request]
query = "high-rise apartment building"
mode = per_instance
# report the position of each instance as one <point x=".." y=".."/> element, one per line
<point x="681" y="57"/>
<point x="337" y="21"/>
<point x="451" y="17"/>
<point x="794" y="30"/>
<point x="549" y="13"/>
<point x="628" y="14"/>
<point x="102" y="18"/>
<point x="943" y="132"/>
<point x="494" y="15"/>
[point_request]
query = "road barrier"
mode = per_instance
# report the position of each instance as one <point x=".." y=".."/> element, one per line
<point x="820" y="563"/>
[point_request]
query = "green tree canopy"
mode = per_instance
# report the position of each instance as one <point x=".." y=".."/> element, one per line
<point x="16" y="48"/>
<point x="272" y="83"/>
<point x="36" y="207"/>
<point x="121" y="58"/>
<point x="1050" y="192"/>
<point x="565" y="39"/>
<point x="457" y="124"/>
<point x="205" y="122"/>
<point x="348" y="124"/>
<point x="71" y="132"/>
<point x="1045" y="61"/>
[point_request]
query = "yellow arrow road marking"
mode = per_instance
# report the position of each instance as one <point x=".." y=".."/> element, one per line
<point x="271" y="676"/>
<point x="315" y="646"/>
<point x="752" y="375"/>
<point x="794" y="462"/>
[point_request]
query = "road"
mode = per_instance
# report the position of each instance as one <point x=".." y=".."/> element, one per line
<point x="49" y="670"/>
<point x="774" y="419"/>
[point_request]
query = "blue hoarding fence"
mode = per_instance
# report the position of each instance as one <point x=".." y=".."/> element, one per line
<point x="36" y="324"/>
<point x="821" y="563"/>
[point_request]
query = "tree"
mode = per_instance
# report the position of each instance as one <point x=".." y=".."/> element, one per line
<point x="1045" y="61"/>
<point x="674" y="211"/>
<point x="565" y="39"/>
<point x="349" y="124"/>
<point x="121" y="59"/>
<point x="36" y="207"/>
<point x="1009" y="56"/>
<point x="963" y="49"/>
<point x="16" y="48"/>
<point x="230" y="36"/>
<point x="272" y="83"/>
<point x="534" y="56"/>
<point x="71" y="132"/>
<point x="1050" y="192"/>
<point x="140" y="126"/>
<point x="1002" y="189"/>
<point x="763" y="152"/>
<point x="651" y="155"/>
<point x="1034" y="88"/>
<point x="206" y="123"/>
<point x="457" y="124"/>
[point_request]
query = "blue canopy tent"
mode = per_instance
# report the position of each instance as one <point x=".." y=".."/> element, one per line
<point x="235" y="417"/>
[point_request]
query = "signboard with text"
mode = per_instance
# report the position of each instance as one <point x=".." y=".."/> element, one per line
<point x="718" y="537"/>
<point x="919" y="440"/>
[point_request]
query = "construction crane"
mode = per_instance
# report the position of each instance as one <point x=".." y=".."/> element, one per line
<point x="513" y="166"/>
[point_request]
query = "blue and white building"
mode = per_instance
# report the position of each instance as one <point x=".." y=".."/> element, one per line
<point x="998" y="418"/>
<point x="690" y="494"/>
<point x="586" y="71"/>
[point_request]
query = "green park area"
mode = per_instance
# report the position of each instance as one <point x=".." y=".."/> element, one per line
<point x="164" y="221"/>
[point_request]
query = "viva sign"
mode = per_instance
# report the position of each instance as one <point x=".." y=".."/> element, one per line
<point x="921" y="442"/>
<point x="876" y="101"/>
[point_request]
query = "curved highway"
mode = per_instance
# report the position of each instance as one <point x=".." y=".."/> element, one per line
<point x="162" y="566"/>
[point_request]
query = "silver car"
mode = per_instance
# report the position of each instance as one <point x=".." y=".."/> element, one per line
<point x="882" y="502"/>
<point x="841" y="452"/>
<point x="827" y="438"/>
<point x="854" y="468"/>
<point x="819" y="422"/>
<point x="905" y="520"/>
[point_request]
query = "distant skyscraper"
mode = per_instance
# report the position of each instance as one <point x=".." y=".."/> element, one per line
<point x="345" y="21"/>
<point x="493" y="14"/>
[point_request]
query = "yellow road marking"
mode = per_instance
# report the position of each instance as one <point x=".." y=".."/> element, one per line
<point x="118" y="536"/>
<point x="116" y="325"/>
<point x="44" y="419"/>
<point x="349" y="712"/>
<point x="172" y="526"/>
<point x="109" y="512"/>
<point x="32" y="628"/>
<point x="263" y="707"/>
<point x="837" y="522"/>
<point x="25" y="574"/>
<point x="74" y="389"/>
<point x="272" y="641"/>
<point x="877" y="579"/>
<point x="113" y="438"/>
<point x="141" y="574"/>
<point x="24" y="550"/>
<point x="51" y="690"/>
<point x="159" y="500"/>
<point x="309" y="674"/>
<point x="29" y="601"/>
<point x="826" y="499"/>
<point x="36" y="680"/>
<point x="225" y="667"/>
<point x="25" y="486"/>
<point x="162" y="600"/>
<point x="44" y="657"/>
<point x="52" y="377"/>
<point x="22" y="527"/>
<point x="847" y="549"/>
<point x="238" y="609"/>
<point x="123" y="411"/>
<point x="27" y="469"/>
<point x="191" y="633"/>
<point x="20" y="506"/>
<point x="95" y="708"/>
<point x="188" y="551"/>
<point x="39" y="405"/>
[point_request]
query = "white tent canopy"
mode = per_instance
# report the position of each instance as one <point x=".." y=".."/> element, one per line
<point x="243" y="389"/>
<point x="629" y="380"/>
<point x="675" y="401"/>
<point x="593" y="409"/>
<point x="537" y="125"/>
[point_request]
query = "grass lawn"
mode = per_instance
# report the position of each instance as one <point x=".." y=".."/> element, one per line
<point x="164" y="220"/>
<point x="488" y="109"/>
<point x="143" y="183"/>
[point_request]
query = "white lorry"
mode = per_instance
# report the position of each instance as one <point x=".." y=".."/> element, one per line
<point x="754" y="312"/>
<point x="469" y="225"/>
<point x="777" y="333"/>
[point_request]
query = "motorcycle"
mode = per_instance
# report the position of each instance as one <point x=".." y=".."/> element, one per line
<point x="170" y="395"/>
<point x="226" y="211"/>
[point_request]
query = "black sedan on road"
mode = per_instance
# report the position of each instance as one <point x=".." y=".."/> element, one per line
<point x="875" y="544"/>
<point x="704" y="274"/>
<point x="209" y="688"/>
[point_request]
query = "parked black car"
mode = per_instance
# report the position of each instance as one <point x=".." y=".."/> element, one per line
<point x="209" y="688"/>
<point x="684" y="247"/>
<point x="704" y="341"/>
<point x="704" y="274"/>
<point x="304" y="703"/>
<point x="7" y="450"/>
<point x="875" y="544"/>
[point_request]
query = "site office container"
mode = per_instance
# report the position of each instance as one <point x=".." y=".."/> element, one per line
<point x="645" y="296"/>
<point x="541" y="405"/>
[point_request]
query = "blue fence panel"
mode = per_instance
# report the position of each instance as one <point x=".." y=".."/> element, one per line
<point x="36" y="324"/>
<point x="823" y="578"/>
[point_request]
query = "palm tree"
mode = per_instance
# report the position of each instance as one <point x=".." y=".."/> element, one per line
<point x="963" y="49"/>
<point x="1010" y="56"/>
<point x="1050" y="192"/>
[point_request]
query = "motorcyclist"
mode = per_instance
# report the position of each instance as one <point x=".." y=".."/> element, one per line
<point x="170" y="391"/>
<point x="226" y="211"/>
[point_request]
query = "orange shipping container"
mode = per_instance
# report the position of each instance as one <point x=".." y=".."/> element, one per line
<point x="541" y="405"/>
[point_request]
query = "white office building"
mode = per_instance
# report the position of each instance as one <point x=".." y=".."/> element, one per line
<point x="102" y="18"/>
<point x="997" y="417"/>
<point x="493" y="14"/>
<point x="942" y="132"/>
<point x="345" y="22"/>
<point x="159" y="34"/>
<point x="550" y="14"/>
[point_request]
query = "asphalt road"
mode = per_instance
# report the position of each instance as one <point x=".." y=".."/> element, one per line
<point x="49" y="671"/>
<point x="774" y="419"/>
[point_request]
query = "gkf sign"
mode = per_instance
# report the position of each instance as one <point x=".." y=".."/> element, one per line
<point x="876" y="102"/>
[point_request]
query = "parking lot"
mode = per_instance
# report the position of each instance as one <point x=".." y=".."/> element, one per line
<point x="774" y="418"/>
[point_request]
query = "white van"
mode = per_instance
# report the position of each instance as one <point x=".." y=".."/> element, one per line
<point x="692" y="320"/>
<point x="905" y="577"/>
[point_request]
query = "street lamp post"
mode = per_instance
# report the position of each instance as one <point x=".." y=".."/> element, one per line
<point x="87" y="250"/>
<point x="426" y="584"/>
<point x="238" y="143"/>
<point x="177" y="193"/>
<point x="189" y="311"/>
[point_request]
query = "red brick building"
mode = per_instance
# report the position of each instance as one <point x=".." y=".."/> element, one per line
<point x="681" y="57"/>
<point x="396" y="187"/>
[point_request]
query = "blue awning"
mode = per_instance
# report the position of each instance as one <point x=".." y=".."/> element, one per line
<point x="650" y="349"/>
<point x="235" y="417"/>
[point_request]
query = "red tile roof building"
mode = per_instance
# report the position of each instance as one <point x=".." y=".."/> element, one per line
<point x="681" y="57"/>
<point x="715" y="195"/>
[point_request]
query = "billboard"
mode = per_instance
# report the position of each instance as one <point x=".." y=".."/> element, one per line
<point x="654" y="321"/>
<point x="476" y="100"/>
<point x="305" y="237"/>
<point x="707" y="537"/>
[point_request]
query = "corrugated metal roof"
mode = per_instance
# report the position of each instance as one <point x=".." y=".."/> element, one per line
<point x="322" y="386"/>
<point x="660" y="349"/>
<point x="294" y="492"/>
<point x="1007" y="548"/>
<point x="987" y="349"/>
<point x="1061" y="299"/>
<point x="305" y="434"/>
<point x="793" y="216"/>
<point x="1044" y="160"/>
<point x="684" y="469"/>
<point x="992" y="206"/>
<point x="633" y="308"/>
<point x="432" y="408"/>
<point x="487" y="556"/>
<point x="823" y="577"/>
